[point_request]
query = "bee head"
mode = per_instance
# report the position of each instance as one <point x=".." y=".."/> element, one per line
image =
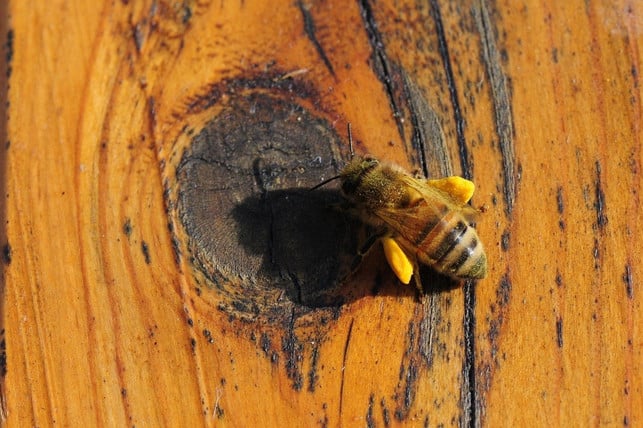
<point x="355" y="172"/>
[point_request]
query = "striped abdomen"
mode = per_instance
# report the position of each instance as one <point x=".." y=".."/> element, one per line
<point x="452" y="247"/>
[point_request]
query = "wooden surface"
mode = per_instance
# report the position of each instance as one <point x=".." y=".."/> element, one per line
<point x="129" y="125"/>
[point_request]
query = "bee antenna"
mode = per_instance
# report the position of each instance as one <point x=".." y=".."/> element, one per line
<point x="350" y="139"/>
<point x="323" y="183"/>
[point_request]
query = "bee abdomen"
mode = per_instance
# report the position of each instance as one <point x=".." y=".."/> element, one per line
<point x="452" y="247"/>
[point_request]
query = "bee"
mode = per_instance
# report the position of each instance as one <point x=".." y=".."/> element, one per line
<point x="418" y="220"/>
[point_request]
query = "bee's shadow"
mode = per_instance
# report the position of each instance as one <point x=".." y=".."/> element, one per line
<point x="304" y="239"/>
<point x="308" y="243"/>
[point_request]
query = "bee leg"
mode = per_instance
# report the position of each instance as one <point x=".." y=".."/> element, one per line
<point x="459" y="188"/>
<point x="416" y="277"/>
<point x="342" y="207"/>
<point x="398" y="260"/>
<point x="364" y="249"/>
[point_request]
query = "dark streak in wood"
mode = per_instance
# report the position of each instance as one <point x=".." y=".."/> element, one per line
<point x="293" y="350"/>
<point x="503" y="295"/>
<point x="265" y="343"/>
<point x="559" y="332"/>
<point x="187" y="13"/>
<point x="311" y="32"/>
<point x="218" y="411"/>
<point x="469" y="416"/>
<point x="458" y="118"/>
<point x="627" y="280"/>
<point x="427" y="137"/>
<point x="381" y="63"/>
<point x="505" y="240"/>
<point x="596" y="254"/>
<point x="468" y="389"/>
<point x="266" y="81"/>
<point x="501" y="101"/>
<point x="146" y="252"/>
<point x="312" y="373"/>
<point x="370" y="422"/>
<point x="3" y="358"/>
<point x="635" y="75"/>
<point x="386" y="413"/>
<point x="468" y="400"/>
<point x="409" y="372"/>
<point x="6" y="254"/>
<point x="208" y="335"/>
<point x="484" y="373"/>
<point x="599" y="205"/>
<point x="560" y="203"/>
<point x="323" y="422"/>
<point x="559" y="279"/>
<point x="127" y="227"/>
<point x="139" y="36"/>
<point x="428" y="321"/>
<point x="409" y="390"/>
<point x="151" y="112"/>
<point x="176" y="249"/>
<point x="8" y="54"/>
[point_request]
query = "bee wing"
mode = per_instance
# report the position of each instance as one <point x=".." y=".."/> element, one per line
<point x="409" y="223"/>
<point x="415" y="221"/>
<point x="447" y="194"/>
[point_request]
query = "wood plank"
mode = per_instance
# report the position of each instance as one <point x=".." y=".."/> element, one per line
<point x="165" y="263"/>
<point x="568" y="351"/>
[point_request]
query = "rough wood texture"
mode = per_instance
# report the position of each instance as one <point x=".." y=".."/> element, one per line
<point x="162" y="265"/>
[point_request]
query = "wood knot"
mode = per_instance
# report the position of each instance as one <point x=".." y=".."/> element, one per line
<point x="255" y="232"/>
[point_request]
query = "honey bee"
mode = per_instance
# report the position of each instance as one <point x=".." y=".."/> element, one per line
<point x="418" y="220"/>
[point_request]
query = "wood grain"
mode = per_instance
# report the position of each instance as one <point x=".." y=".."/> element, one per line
<point x="131" y="124"/>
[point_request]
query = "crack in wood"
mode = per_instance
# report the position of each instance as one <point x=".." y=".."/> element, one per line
<point x="345" y="354"/>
